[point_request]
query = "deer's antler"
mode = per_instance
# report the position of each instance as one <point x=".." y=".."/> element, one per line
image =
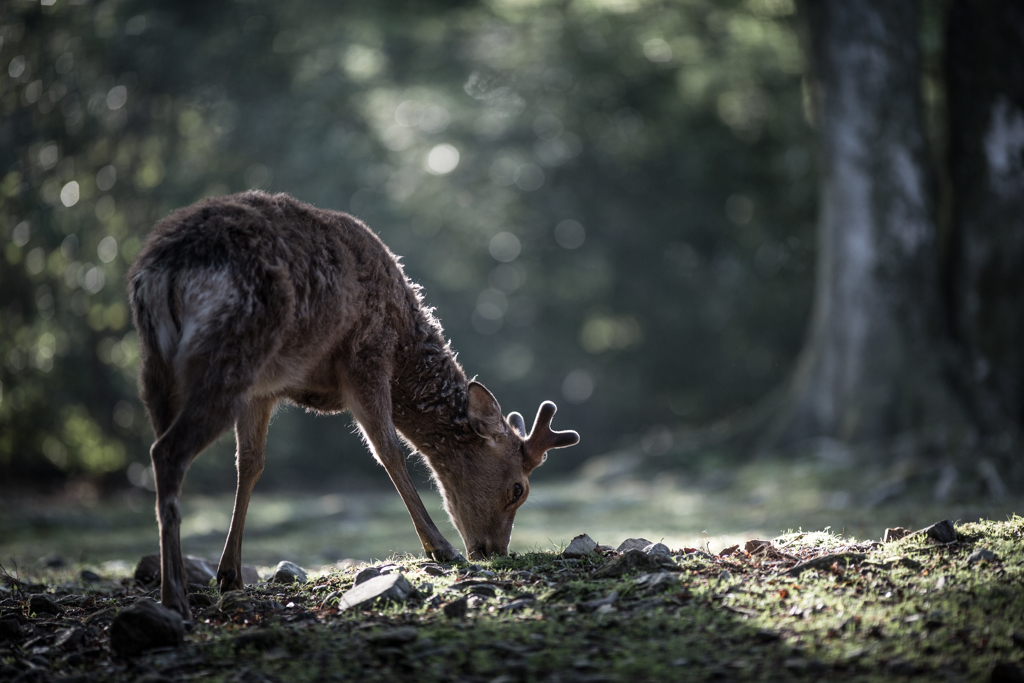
<point x="542" y="438"/>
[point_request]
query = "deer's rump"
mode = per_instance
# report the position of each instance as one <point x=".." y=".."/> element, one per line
<point x="252" y="290"/>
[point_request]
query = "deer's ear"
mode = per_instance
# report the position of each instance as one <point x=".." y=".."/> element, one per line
<point x="484" y="412"/>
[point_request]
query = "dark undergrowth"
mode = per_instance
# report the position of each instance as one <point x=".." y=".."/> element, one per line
<point x="806" y="606"/>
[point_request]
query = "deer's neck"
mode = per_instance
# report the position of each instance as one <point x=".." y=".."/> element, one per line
<point x="430" y="395"/>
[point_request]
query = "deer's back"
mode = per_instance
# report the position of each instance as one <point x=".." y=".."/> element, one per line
<point x="278" y="282"/>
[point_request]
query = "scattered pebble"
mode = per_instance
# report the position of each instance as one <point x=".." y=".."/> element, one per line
<point x="632" y="560"/>
<point x="594" y="605"/>
<point x="388" y="588"/>
<point x="981" y="555"/>
<point x="43" y="604"/>
<point x="432" y="569"/>
<point x="581" y="546"/>
<point x="365" y="574"/>
<point x="633" y="544"/>
<point x="235" y="602"/>
<point x="53" y="561"/>
<point x="657" y="549"/>
<point x="457" y="609"/>
<point x="288" y="572"/>
<point x="144" y="626"/>
<point x="69" y="638"/>
<point x="942" y="532"/>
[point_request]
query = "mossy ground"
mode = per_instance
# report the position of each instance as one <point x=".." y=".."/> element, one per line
<point x="908" y="609"/>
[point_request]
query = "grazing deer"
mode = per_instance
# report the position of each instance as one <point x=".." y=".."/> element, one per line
<point x="244" y="301"/>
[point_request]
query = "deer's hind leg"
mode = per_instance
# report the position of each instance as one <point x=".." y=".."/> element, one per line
<point x="251" y="440"/>
<point x="208" y="409"/>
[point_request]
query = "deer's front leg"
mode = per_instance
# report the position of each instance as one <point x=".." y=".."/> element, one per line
<point x="380" y="432"/>
<point x="251" y="440"/>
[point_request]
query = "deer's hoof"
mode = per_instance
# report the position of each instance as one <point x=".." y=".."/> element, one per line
<point x="446" y="553"/>
<point x="229" y="580"/>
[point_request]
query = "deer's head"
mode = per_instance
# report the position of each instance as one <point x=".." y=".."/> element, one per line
<point x="483" y="495"/>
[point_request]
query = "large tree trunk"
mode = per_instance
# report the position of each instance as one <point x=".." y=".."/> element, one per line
<point x="985" y="80"/>
<point x="871" y="367"/>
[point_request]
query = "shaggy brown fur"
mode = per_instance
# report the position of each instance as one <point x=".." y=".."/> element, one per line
<point x="244" y="301"/>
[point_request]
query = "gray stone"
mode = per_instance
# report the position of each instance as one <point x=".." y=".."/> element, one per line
<point x="288" y="572"/>
<point x="657" y="549"/>
<point x="235" y="602"/>
<point x="632" y="560"/>
<point x="432" y="569"/>
<point x="633" y="544"/>
<point x="581" y="546"/>
<point x="387" y="588"/>
<point x="365" y="574"/>
<point x="942" y="532"/>
<point x="69" y="638"/>
<point x="144" y="626"/>
<point x="198" y="570"/>
<point x="457" y="609"/>
<point x="657" y="582"/>
<point x="43" y="604"/>
<point x="981" y="555"/>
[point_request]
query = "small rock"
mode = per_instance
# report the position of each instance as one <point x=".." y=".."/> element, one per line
<point x="633" y="544"/>
<point x="942" y="532"/>
<point x="581" y="546"/>
<point x="981" y="555"/>
<point x="657" y="549"/>
<point x="365" y="574"/>
<point x="432" y="569"/>
<point x="655" y="583"/>
<point x="456" y="609"/>
<point x="89" y="576"/>
<point x="388" y="588"/>
<point x="604" y="549"/>
<point x="43" y="604"/>
<point x="402" y="635"/>
<point x="10" y="629"/>
<point x="69" y="638"/>
<point x="484" y="589"/>
<point x="235" y="602"/>
<point x="53" y="561"/>
<point x="894" y="534"/>
<point x="632" y="560"/>
<point x="144" y="626"/>
<point x="728" y="551"/>
<point x="288" y="572"/>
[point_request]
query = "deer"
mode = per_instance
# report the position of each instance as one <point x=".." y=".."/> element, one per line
<point x="251" y="300"/>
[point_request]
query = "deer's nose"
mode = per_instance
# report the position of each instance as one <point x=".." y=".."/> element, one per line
<point x="486" y="549"/>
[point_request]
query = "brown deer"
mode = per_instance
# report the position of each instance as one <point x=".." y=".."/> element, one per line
<point x="244" y="301"/>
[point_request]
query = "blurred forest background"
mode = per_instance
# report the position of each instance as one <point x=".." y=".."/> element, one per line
<point x="615" y="204"/>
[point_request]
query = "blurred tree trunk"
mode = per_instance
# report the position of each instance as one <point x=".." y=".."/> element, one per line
<point x="871" y="367"/>
<point x="985" y="287"/>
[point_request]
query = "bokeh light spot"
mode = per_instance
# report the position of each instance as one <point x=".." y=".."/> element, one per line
<point x="578" y="386"/>
<point x="442" y="159"/>
<point x="69" y="194"/>
<point x="505" y="247"/>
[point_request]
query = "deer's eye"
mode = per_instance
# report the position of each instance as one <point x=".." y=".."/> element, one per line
<point x="517" y="492"/>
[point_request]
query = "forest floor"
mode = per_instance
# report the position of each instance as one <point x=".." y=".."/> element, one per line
<point x="915" y="608"/>
<point x="801" y="606"/>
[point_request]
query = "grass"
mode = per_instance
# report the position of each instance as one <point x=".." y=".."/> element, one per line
<point x="909" y="609"/>
<point x="905" y="610"/>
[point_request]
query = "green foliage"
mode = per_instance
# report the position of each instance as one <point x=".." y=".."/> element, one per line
<point x="609" y="203"/>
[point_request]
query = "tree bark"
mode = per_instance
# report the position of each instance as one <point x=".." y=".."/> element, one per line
<point x="871" y="365"/>
<point x="985" y="287"/>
